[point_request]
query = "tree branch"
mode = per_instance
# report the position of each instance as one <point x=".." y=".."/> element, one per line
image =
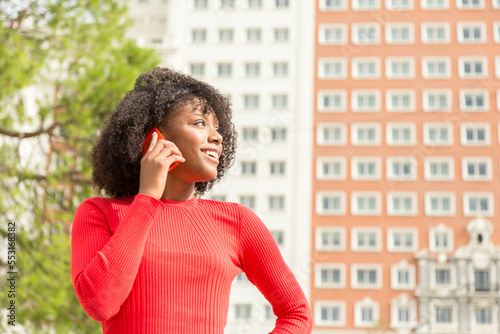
<point x="22" y="135"/>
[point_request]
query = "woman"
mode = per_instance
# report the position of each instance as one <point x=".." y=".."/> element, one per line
<point x="155" y="258"/>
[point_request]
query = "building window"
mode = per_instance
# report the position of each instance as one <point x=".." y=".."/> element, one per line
<point x="197" y="69"/>
<point x="437" y="100"/>
<point x="402" y="239"/>
<point x="330" y="275"/>
<point x="365" y="203"/>
<point x="400" y="100"/>
<point x="474" y="100"/>
<point x="399" y="33"/>
<point x="496" y="28"/>
<point x="332" y="34"/>
<point x="276" y="202"/>
<point x="248" y="168"/>
<point x="434" y="4"/>
<point x="226" y="35"/>
<point x="473" y="67"/>
<point x="471" y="32"/>
<point x="282" y="3"/>
<point x="403" y="312"/>
<point x="329" y="313"/>
<point x="443" y="314"/>
<point x="332" y="100"/>
<point x="366" y="313"/>
<point x="365" y="168"/>
<point x="330" y="238"/>
<point x="281" y="35"/>
<point x="242" y="311"/>
<point x="224" y="70"/>
<point x="247" y="200"/>
<point x="475" y="134"/>
<point x="483" y="315"/>
<point x="250" y="134"/>
<point x="254" y="35"/>
<point x="436" y="68"/>
<point x="400" y="134"/>
<point x="330" y="203"/>
<point x="251" y="101"/>
<point x="478" y="204"/>
<point x="330" y="168"/>
<point x="331" y="134"/>
<point x="278" y="135"/>
<point x="241" y="278"/>
<point x="401" y="168"/>
<point x="252" y="70"/>
<point x="277" y="168"/>
<point x="333" y="5"/>
<point x="199" y="36"/>
<point x="219" y="198"/>
<point x="254" y="4"/>
<point x="442" y="276"/>
<point x="440" y="203"/>
<point x="268" y="313"/>
<point x="366" y="4"/>
<point x="332" y="68"/>
<point x="279" y="101"/>
<point x="365" y="100"/>
<point x="470" y="4"/>
<point x="365" y="134"/>
<point x="399" y="4"/>
<point x="280" y="69"/>
<point x="435" y="32"/>
<point x="279" y="237"/>
<point x="441" y="239"/>
<point x="402" y="276"/>
<point x="200" y="4"/>
<point x="227" y="4"/>
<point x="366" y="276"/>
<point x="365" y="33"/>
<point x="400" y="68"/>
<point x="482" y="280"/>
<point x="439" y="169"/>
<point x="401" y="203"/>
<point x="438" y="134"/>
<point x="364" y="239"/>
<point x="365" y="68"/>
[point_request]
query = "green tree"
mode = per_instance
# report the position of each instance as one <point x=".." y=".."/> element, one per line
<point x="64" y="66"/>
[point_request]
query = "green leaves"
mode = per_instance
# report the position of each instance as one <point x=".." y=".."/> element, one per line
<point x="65" y="65"/>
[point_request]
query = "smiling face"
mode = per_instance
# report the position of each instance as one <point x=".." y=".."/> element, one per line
<point x="194" y="130"/>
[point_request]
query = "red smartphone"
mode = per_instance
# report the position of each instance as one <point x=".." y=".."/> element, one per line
<point x="147" y="141"/>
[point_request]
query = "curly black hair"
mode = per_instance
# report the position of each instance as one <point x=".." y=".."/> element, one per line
<point x="157" y="94"/>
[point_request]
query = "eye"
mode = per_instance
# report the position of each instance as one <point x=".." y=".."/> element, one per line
<point x="202" y="122"/>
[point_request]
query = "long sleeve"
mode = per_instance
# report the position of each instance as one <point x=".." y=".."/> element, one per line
<point x="264" y="266"/>
<point x="104" y="265"/>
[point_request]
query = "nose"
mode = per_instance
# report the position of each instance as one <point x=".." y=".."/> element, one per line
<point x="215" y="136"/>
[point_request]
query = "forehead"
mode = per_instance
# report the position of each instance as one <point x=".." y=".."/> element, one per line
<point x="198" y="106"/>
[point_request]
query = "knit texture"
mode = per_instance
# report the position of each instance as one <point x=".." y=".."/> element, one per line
<point x="141" y="265"/>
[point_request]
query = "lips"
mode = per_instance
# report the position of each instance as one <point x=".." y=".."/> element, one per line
<point x="211" y="154"/>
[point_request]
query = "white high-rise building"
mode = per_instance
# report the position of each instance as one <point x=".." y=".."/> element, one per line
<point x="259" y="53"/>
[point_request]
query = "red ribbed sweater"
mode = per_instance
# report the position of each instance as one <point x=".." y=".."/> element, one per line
<point x="141" y="265"/>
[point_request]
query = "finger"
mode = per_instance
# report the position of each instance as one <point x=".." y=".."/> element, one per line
<point x="153" y="141"/>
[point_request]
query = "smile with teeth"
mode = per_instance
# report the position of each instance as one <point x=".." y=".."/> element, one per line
<point x="212" y="154"/>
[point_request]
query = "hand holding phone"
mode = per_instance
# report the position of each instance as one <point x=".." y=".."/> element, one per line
<point x="158" y="153"/>
<point x="147" y="141"/>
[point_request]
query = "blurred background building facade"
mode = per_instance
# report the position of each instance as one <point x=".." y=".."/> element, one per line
<point x="406" y="158"/>
<point x="368" y="144"/>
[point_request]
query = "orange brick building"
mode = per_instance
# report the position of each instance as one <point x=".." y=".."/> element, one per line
<point x="406" y="155"/>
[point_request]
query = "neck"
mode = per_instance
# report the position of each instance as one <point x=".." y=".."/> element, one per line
<point x="176" y="190"/>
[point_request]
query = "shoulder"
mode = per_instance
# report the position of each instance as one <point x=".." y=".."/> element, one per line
<point x="103" y="204"/>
